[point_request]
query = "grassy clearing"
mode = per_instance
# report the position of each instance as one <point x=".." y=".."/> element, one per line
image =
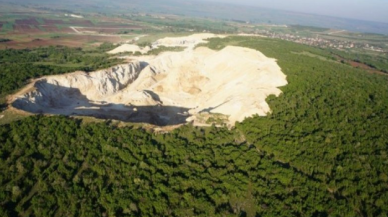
<point x="309" y="28"/>
<point x="52" y="35"/>
<point x="8" y="27"/>
<point x="152" y="38"/>
<point x="2" y="40"/>
<point x="305" y="53"/>
<point x="86" y="120"/>
<point x="41" y="28"/>
<point x="70" y="65"/>
<point x="162" y="49"/>
<point x="9" y="116"/>
<point x="40" y="20"/>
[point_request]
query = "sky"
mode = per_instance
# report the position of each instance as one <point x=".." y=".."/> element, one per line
<point x="372" y="10"/>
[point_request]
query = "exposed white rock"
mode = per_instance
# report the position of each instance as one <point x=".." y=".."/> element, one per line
<point x="167" y="89"/>
<point x="186" y="41"/>
<point x="74" y="15"/>
<point x="129" y="48"/>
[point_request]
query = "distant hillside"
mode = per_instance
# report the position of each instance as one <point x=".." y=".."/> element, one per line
<point x="260" y="15"/>
<point x="215" y="10"/>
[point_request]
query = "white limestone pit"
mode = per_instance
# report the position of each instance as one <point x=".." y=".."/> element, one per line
<point x="169" y="89"/>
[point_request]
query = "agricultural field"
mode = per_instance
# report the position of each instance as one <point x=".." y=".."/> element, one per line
<point x="29" y="27"/>
<point x="37" y="28"/>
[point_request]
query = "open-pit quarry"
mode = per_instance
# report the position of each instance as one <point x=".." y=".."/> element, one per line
<point x="169" y="89"/>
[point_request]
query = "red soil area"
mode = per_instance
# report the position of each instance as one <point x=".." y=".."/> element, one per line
<point x="29" y="33"/>
<point x="108" y="30"/>
<point x="71" y="22"/>
<point x="365" y="67"/>
<point x="50" y="28"/>
<point x="1" y="25"/>
<point x="70" y="41"/>
<point x="86" y="39"/>
<point x="26" y="29"/>
<point x="97" y="30"/>
<point x="21" y="45"/>
<point x="360" y="65"/>
<point x="81" y="23"/>
<point x="66" y="30"/>
<point x="118" y="25"/>
<point x="112" y="20"/>
<point x="28" y="21"/>
<point x="38" y="43"/>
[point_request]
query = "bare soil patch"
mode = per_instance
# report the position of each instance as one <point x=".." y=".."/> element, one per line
<point x="26" y="29"/>
<point x="28" y="21"/>
<point x="361" y="66"/>
<point x="52" y="22"/>
<point x="107" y="30"/>
<point x="71" y="40"/>
<point x="50" y="28"/>
<point x="81" y="23"/>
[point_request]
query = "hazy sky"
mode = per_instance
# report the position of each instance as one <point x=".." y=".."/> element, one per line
<point x="374" y="10"/>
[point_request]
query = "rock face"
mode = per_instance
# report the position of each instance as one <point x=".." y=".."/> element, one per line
<point x="129" y="48"/>
<point x="169" y="89"/>
<point x="186" y="41"/>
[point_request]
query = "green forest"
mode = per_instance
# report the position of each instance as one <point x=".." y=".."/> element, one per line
<point x="18" y="66"/>
<point x="323" y="151"/>
<point x="379" y="62"/>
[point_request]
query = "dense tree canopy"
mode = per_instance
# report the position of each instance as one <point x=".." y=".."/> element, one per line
<point x="321" y="152"/>
<point x="18" y="66"/>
